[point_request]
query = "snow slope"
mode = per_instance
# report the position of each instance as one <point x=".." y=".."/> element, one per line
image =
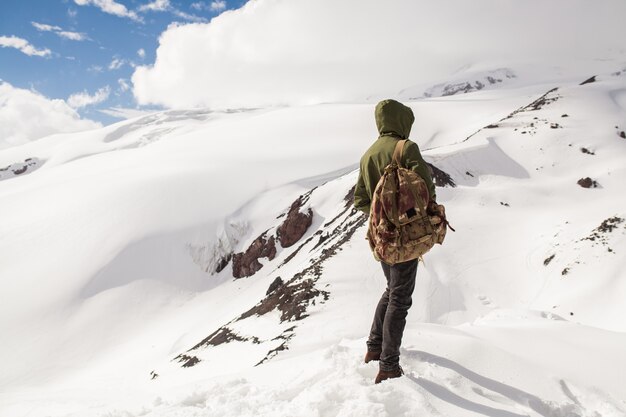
<point x="110" y="251"/>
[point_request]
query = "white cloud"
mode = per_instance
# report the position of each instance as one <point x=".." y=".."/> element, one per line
<point x="45" y="28"/>
<point x="116" y="64"/>
<point x="142" y="53"/>
<point x="165" y="6"/>
<point x="84" y="99"/>
<point x="27" y="115"/>
<point x="74" y="36"/>
<point x="214" y="6"/>
<point x="72" y="13"/>
<point x="125" y="113"/>
<point x="296" y="51"/>
<point x="23" y="46"/>
<point x="123" y="84"/>
<point x="187" y="16"/>
<point x="156" y="6"/>
<point x="217" y="6"/>
<point x="111" y="7"/>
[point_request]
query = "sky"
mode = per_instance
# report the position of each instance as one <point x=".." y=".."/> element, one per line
<point x="85" y="51"/>
<point x="68" y="65"/>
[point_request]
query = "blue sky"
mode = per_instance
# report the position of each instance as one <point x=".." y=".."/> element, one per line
<point x="80" y="46"/>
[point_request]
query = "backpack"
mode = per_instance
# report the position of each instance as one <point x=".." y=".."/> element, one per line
<point x="403" y="225"/>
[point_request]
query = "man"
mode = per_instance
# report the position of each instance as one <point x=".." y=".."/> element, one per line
<point x="394" y="121"/>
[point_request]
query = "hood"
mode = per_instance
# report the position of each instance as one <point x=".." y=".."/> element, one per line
<point x="394" y="118"/>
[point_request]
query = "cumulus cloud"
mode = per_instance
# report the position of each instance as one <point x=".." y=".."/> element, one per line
<point x="110" y="7"/>
<point x="142" y="53"/>
<point x="302" y="51"/>
<point x="84" y="99"/>
<point x="27" y="115"/>
<point x="23" y="46"/>
<point x="73" y="36"/>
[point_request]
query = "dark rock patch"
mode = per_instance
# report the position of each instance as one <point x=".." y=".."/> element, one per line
<point x="153" y="375"/>
<point x="291" y="299"/>
<point x="599" y="234"/>
<point x="287" y="335"/>
<point x="622" y="134"/>
<point x="565" y="271"/>
<point x="504" y="204"/>
<point x="549" y="259"/>
<point x="588" y="183"/>
<point x="349" y="198"/>
<point x="565" y="115"/>
<point x="19" y="168"/>
<point x="492" y="126"/>
<point x="223" y="262"/>
<point x="278" y="282"/>
<point x="542" y="101"/>
<point x="587" y="151"/>
<point x="441" y="178"/>
<point x="295" y="225"/>
<point x="187" y="361"/>
<point x="218" y="337"/>
<point x="247" y="263"/>
<point x="555" y="126"/>
<point x="589" y="80"/>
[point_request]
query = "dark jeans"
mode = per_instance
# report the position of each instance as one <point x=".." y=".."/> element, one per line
<point x="390" y="316"/>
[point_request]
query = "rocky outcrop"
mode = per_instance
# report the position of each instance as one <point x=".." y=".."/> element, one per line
<point x="247" y="263"/>
<point x="295" y="225"/>
<point x="587" y="183"/>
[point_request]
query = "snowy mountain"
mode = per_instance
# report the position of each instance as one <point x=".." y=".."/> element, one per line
<point x="210" y="263"/>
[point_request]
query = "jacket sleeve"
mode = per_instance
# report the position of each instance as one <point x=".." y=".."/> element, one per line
<point x="416" y="163"/>
<point x="361" y="197"/>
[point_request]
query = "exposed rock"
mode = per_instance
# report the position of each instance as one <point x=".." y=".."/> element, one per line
<point x="607" y="226"/>
<point x="187" y="361"/>
<point x="549" y="259"/>
<point x="247" y="263"/>
<point x="565" y="271"/>
<point x="441" y="178"/>
<point x="295" y="225"/>
<point x="287" y="335"/>
<point x="19" y="168"/>
<point x="622" y="134"/>
<point x="504" y="204"/>
<point x="564" y="115"/>
<point x="153" y="375"/>
<point x="587" y="183"/>
<point x="589" y="80"/>
<point x="221" y="335"/>
<point x="291" y="299"/>
<point x="223" y="262"/>
<point x="278" y="282"/>
<point x="587" y="151"/>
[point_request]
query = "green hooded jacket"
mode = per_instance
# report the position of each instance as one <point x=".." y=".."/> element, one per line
<point x="394" y="121"/>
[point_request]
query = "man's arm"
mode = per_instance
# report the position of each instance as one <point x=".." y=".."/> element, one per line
<point x="416" y="163"/>
<point x="361" y="198"/>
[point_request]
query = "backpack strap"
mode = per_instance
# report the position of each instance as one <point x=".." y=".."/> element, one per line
<point x="397" y="152"/>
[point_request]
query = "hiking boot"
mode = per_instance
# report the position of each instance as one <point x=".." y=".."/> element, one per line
<point x="382" y="375"/>
<point x="371" y="356"/>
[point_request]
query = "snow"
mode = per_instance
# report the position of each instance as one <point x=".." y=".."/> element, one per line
<point x="109" y="252"/>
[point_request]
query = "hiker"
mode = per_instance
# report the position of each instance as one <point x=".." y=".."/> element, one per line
<point x="394" y="121"/>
